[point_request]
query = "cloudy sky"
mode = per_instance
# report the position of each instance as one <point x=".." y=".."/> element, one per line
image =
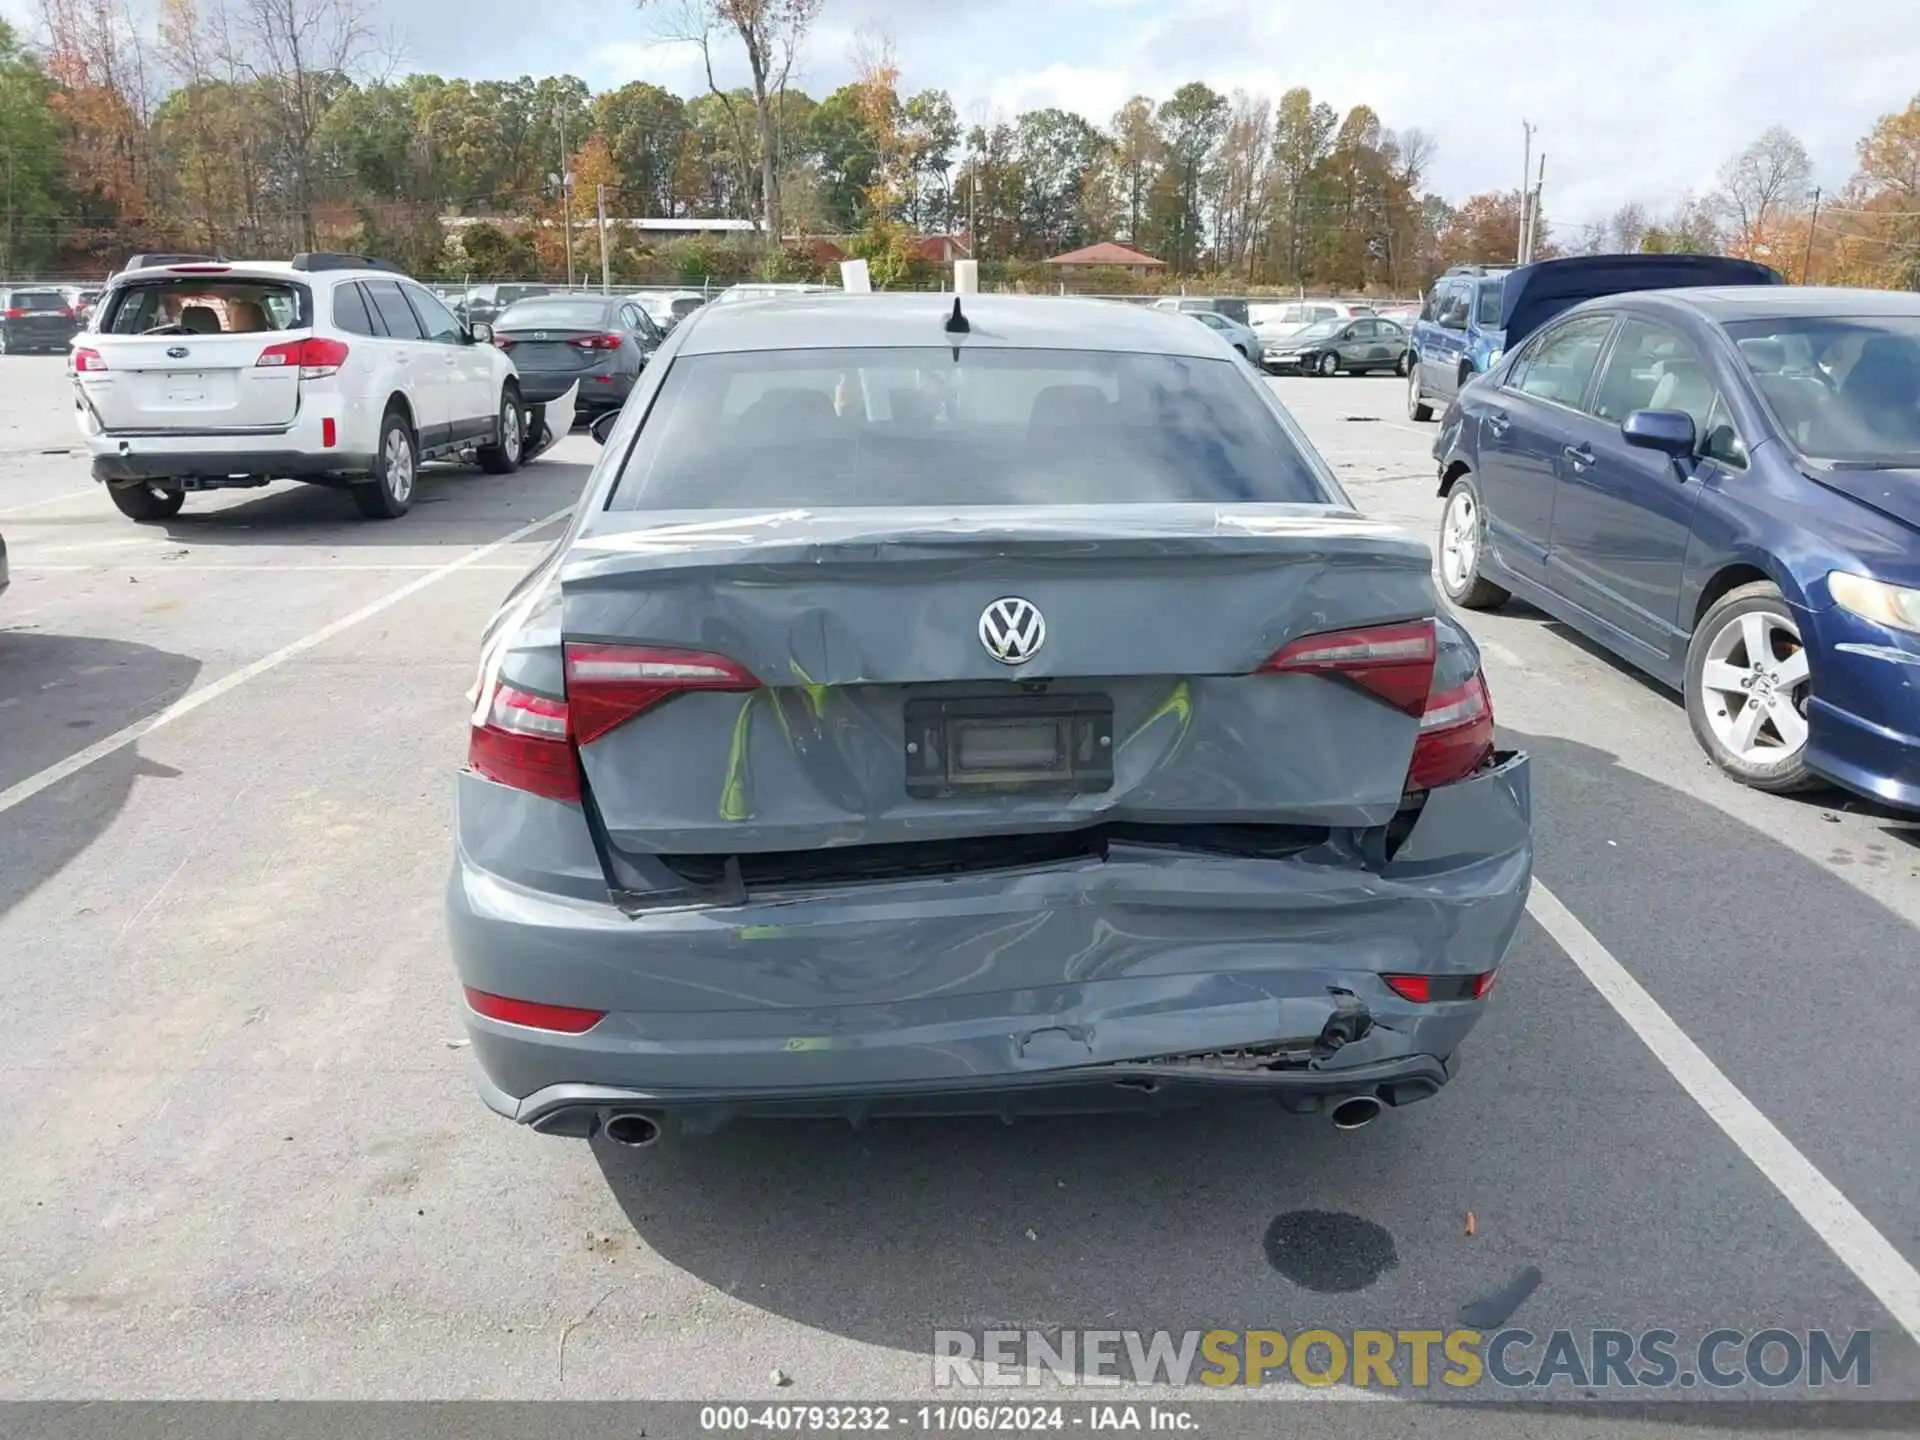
<point x="1633" y="99"/>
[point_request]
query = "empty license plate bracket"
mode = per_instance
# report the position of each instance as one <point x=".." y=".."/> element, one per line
<point x="1009" y="744"/>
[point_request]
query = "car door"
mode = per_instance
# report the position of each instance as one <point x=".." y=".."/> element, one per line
<point x="425" y="378"/>
<point x="1524" y="426"/>
<point x="1624" y="514"/>
<point x="1447" y="345"/>
<point x="472" y="401"/>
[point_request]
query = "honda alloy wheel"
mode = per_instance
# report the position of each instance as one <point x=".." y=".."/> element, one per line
<point x="1749" y="684"/>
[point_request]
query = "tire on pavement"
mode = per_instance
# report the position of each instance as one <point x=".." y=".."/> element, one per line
<point x="1750" y="636"/>
<point x="1417" y="406"/>
<point x="387" y="494"/>
<point x="1463" y="546"/>
<point x="504" y="458"/>
<point x="147" y="501"/>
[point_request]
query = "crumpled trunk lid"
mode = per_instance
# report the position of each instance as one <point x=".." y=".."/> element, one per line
<point x="865" y="631"/>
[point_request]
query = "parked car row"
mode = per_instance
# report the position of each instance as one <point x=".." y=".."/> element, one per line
<point x="1714" y="476"/>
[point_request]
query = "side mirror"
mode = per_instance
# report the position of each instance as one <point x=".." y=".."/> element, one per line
<point x="480" y="332"/>
<point x="1669" y="431"/>
<point x="602" y="426"/>
<point x="1348" y="333"/>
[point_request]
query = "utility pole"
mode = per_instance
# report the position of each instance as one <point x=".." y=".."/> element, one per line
<point x="7" y="268"/>
<point x="566" y="191"/>
<point x="1806" y="266"/>
<point x="606" y="269"/>
<point x="1533" y="210"/>
<point x="1526" y="179"/>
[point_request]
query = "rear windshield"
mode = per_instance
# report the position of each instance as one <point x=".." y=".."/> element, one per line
<point x="920" y="427"/>
<point x="1844" y="388"/>
<point x="37" y="300"/>
<point x="193" y="305"/>
<point x="556" y="314"/>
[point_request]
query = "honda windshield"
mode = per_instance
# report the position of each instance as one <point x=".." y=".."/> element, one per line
<point x="1844" y="389"/>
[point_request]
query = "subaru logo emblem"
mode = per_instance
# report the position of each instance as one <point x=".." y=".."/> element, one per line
<point x="1012" y="630"/>
<point x="176" y="352"/>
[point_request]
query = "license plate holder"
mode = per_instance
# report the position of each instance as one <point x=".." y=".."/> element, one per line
<point x="1009" y="745"/>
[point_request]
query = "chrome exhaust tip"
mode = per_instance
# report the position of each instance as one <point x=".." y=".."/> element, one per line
<point x="1356" y="1111"/>
<point x="631" y="1129"/>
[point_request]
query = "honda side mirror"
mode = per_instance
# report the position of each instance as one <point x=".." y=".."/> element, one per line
<point x="480" y="332"/>
<point x="1670" y="432"/>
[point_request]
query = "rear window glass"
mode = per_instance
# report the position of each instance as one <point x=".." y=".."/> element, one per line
<point x="195" y="305"/>
<point x="555" y="314"/>
<point x="37" y="300"/>
<point x="920" y="427"/>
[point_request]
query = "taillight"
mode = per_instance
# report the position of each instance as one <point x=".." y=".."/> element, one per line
<point x="505" y="342"/>
<point x="316" y="356"/>
<point x="199" y="269"/>
<point x="562" y="1019"/>
<point x="596" y="342"/>
<point x="88" y="362"/>
<point x="1456" y="735"/>
<point x="607" y="685"/>
<point x="526" y="743"/>
<point x="64" y="313"/>
<point x="1425" y="989"/>
<point x="13" y="313"/>
<point x="1394" y="662"/>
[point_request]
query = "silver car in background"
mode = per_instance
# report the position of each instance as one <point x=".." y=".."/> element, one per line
<point x="931" y="711"/>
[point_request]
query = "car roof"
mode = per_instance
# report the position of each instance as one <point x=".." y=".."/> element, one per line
<point x="907" y="321"/>
<point x="1779" y="302"/>
<point x="250" y="270"/>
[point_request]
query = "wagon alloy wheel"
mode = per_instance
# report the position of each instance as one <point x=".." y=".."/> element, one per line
<point x="1749" y="682"/>
<point x="1756" y="684"/>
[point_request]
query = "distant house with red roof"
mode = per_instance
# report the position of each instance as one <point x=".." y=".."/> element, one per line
<point x="1107" y="255"/>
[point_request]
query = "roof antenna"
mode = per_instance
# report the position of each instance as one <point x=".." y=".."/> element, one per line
<point x="956" y="322"/>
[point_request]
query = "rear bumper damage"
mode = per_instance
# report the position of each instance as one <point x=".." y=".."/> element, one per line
<point x="1140" y="982"/>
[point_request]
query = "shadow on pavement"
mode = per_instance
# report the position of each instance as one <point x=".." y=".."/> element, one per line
<point x="453" y="505"/>
<point x="58" y="695"/>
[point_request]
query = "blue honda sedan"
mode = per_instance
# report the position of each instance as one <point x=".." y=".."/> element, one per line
<point x="1720" y="485"/>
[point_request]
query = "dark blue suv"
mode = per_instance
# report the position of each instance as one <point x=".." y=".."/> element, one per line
<point x="1460" y="334"/>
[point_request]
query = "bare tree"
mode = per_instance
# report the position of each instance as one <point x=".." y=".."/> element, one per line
<point x="1627" y="230"/>
<point x="770" y="33"/>
<point x="1765" y="181"/>
<point x="302" y="53"/>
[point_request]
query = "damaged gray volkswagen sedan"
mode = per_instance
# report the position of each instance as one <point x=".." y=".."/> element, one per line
<point x="972" y="706"/>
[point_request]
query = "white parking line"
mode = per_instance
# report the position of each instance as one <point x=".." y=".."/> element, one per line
<point x="37" y="504"/>
<point x="31" y="786"/>
<point x="1846" y="1232"/>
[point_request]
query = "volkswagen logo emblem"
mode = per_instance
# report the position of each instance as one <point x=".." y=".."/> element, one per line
<point x="1012" y="630"/>
<point x="176" y="352"/>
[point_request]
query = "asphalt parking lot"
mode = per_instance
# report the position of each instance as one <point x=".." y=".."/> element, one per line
<point x="242" y="1158"/>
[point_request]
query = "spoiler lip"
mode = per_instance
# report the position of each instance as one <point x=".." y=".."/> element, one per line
<point x="1533" y="294"/>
